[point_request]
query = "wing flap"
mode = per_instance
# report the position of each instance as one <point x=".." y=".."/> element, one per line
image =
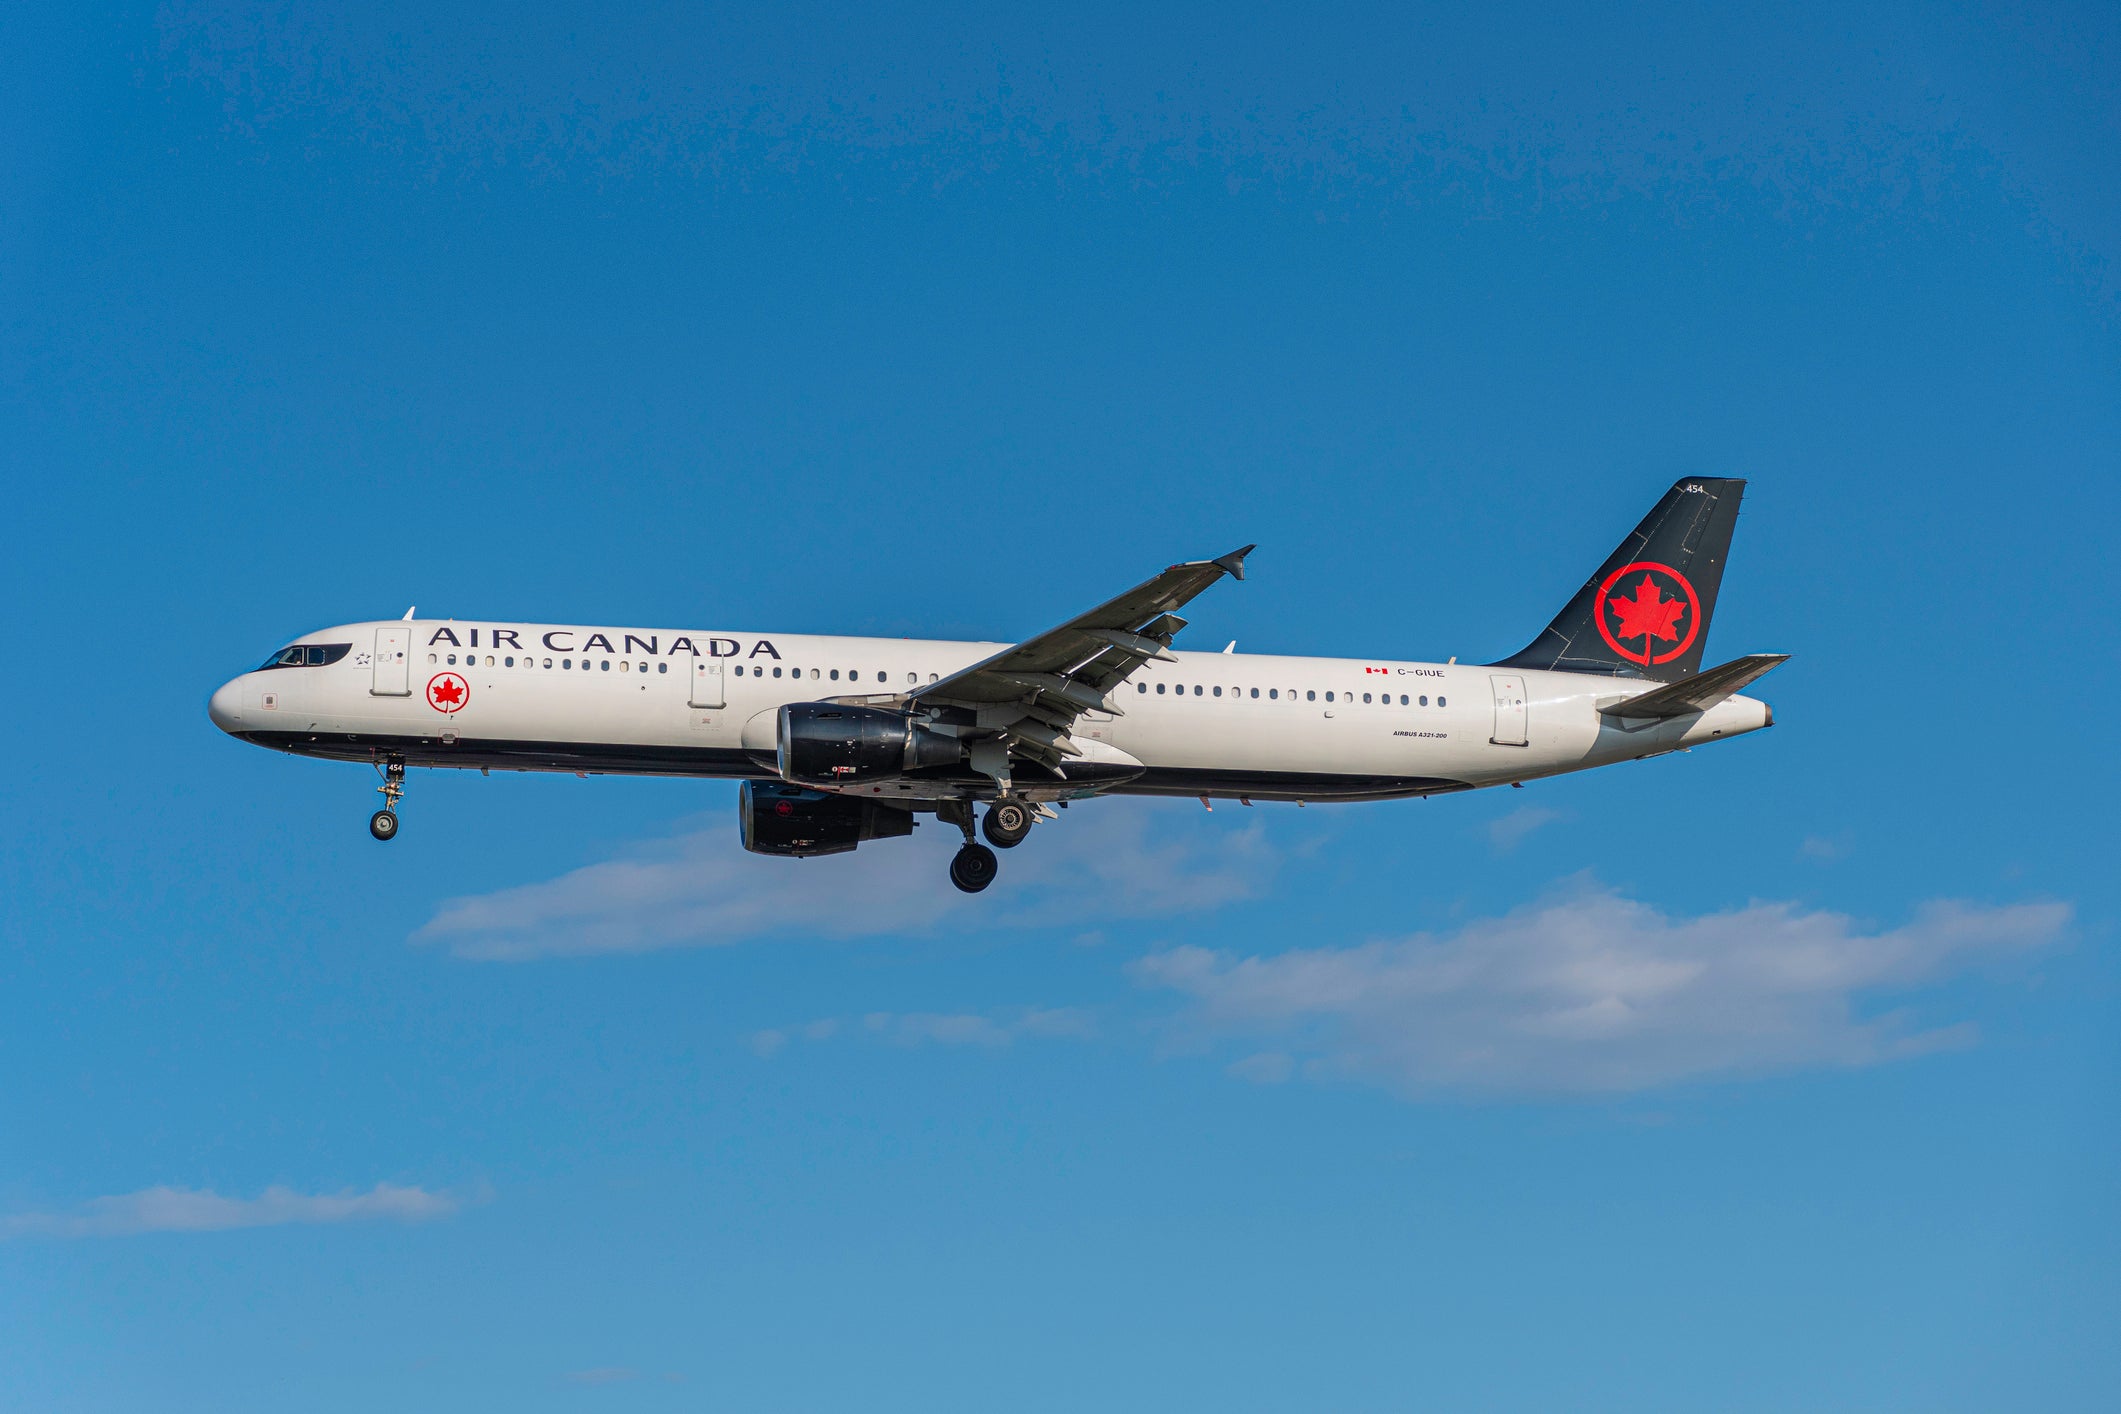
<point x="1031" y="694"/>
<point x="1098" y="649"/>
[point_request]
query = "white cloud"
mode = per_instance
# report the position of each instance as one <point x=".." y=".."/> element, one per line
<point x="934" y="1028"/>
<point x="201" y="1210"/>
<point x="700" y="889"/>
<point x="1589" y="991"/>
<point x="1509" y="831"/>
<point x="603" y="1375"/>
<point x="937" y="1028"/>
<point x="1821" y="847"/>
<point x="973" y="1029"/>
<point x="1264" y="1067"/>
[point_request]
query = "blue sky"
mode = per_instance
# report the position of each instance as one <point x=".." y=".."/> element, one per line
<point x="940" y="322"/>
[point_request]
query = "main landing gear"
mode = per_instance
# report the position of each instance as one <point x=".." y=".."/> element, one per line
<point x="384" y="823"/>
<point x="1005" y="824"/>
<point x="974" y="867"/>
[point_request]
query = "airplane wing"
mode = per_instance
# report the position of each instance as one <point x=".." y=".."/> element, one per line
<point x="1700" y="692"/>
<point x="1030" y="695"/>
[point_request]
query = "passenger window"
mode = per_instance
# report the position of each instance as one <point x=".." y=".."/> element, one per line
<point x="1273" y="692"/>
<point x="1329" y="694"/>
<point x="1311" y="696"/>
<point x="1159" y="689"/>
<point x="508" y="662"/>
<point x="880" y="675"/>
<point x="1141" y="687"/>
<point x="624" y="666"/>
<point x="604" y="666"/>
<point x="933" y="678"/>
<point x="835" y="674"/>
<point x="662" y="667"/>
<point x="1424" y="701"/>
<point x="911" y="678"/>
<point x="452" y="660"/>
<point x="813" y="674"/>
<point x="489" y="660"/>
<point x="1439" y="702"/>
<point x="430" y="658"/>
<point x="1218" y="692"/>
<point x="1255" y="692"/>
<point x="1196" y="689"/>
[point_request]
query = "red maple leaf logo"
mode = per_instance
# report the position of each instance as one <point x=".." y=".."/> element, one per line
<point x="448" y="691"/>
<point x="1648" y="614"/>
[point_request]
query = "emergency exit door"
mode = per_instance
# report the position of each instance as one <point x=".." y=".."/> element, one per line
<point x="390" y="675"/>
<point x="1510" y="713"/>
<point x="706" y="681"/>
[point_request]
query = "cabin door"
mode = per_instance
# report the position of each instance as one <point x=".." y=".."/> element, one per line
<point x="390" y="675"/>
<point x="706" y="681"/>
<point x="1510" y="711"/>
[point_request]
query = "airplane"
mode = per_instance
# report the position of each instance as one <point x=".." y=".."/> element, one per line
<point x="841" y="741"/>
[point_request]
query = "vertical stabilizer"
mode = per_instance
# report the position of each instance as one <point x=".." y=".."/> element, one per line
<point x="1645" y="612"/>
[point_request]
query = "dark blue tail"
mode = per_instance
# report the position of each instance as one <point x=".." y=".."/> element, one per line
<point x="1646" y="612"/>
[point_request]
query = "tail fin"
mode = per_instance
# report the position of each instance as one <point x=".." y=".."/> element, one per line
<point x="1646" y="612"/>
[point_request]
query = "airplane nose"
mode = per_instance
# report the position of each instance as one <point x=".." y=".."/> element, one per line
<point x="225" y="706"/>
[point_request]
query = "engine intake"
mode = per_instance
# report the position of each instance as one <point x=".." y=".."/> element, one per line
<point x="825" y="743"/>
<point x="788" y="820"/>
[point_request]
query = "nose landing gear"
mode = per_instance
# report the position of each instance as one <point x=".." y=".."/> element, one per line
<point x="384" y="823"/>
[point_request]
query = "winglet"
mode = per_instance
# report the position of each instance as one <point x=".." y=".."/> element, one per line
<point x="408" y="614"/>
<point x="1234" y="562"/>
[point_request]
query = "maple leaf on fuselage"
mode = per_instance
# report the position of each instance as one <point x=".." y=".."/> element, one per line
<point x="1648" y="614"/>
<point x="447" y="691"/>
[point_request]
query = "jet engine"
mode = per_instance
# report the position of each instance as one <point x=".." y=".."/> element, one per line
<point x="788" y="820"/>
<point x="824" y="743"/>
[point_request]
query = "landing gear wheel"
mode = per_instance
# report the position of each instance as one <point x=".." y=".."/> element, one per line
<point x="383" y="825"/>
<point x="974" y="868"/>
<point x="1006" y="823"/>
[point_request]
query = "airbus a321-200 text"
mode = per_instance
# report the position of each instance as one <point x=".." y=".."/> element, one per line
<point x="842" y="741"/>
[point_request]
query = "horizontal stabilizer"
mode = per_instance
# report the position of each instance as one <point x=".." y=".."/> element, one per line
<point x="1700" y="692"/>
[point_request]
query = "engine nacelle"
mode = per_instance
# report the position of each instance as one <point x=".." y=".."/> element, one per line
<point x="824" y="743"/>
<point x="788" y="820"/>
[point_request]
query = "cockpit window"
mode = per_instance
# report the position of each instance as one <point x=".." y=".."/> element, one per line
<point x="307" y="655"/>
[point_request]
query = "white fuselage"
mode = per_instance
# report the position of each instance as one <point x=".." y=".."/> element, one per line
<point x="580" y="699"/>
